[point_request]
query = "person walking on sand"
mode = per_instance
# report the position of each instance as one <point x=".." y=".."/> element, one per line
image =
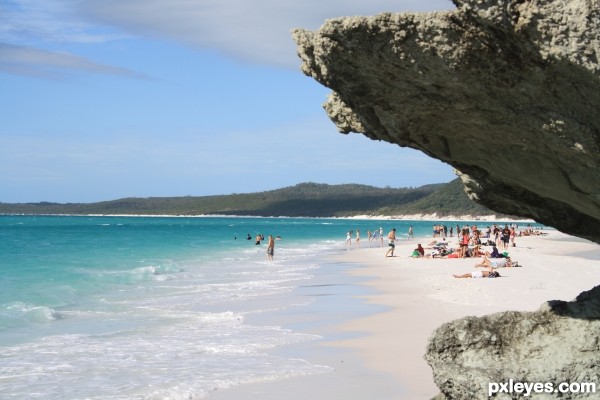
<point x="357" y="241"/>
<point x="349" y="238"/>
<point x="270" y="247"/>
<point x="392" y="243"/>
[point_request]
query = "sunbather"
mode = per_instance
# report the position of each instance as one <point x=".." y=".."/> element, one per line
<point x="487" y="273"/>
<point x="495" y="263"/>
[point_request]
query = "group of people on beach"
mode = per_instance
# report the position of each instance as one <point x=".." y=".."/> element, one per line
<point x="378" y="235"/>
<point x="374" y="235"/>
<point x="470" y="244"/>
<point x="471" y="241"/>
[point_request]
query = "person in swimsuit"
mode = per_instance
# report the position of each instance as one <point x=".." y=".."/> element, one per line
<point x="392" y="243"/>
<point x="487" y="273"/>
<point x="464" y="242"/>
<point x="270" y="247"/>
<point x="495" y="263"/>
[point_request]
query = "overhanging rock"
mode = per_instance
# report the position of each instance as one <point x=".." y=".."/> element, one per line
<point x="507" y="92"/>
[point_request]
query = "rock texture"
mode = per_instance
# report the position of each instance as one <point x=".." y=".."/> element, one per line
<point x="558" y="343"/>
<point x="506" y="91"/>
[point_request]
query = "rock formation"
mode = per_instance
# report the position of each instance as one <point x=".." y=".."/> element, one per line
<point x="506" y="91"/>
<point x="558" y="343"/>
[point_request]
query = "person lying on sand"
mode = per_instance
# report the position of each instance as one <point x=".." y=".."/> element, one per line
<point x="487" y="273"/>
<point x="497" y="263"/>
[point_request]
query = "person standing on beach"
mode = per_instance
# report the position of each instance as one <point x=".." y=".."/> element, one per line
<point x="513" y="234"/>
<point x="392" y="243"/>
<point x="358" y="237"/>
<point x="270" y="247"/>
<point x="464" y="242"/>
<point x="381" y="235"/>
<point x="505" y="237"/>
<point x="410" y="232"/>
<point x="349" y="238"/>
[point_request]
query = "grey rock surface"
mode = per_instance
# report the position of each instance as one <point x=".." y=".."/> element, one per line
<point x="558" y="343"/>
<point x="506" y="91"/>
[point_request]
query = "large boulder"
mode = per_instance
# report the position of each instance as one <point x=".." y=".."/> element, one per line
<point x="473" y="358"/>
<point x="506" y="91"/>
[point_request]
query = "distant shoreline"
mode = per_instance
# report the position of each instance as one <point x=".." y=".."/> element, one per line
<point x="415" y="217"/>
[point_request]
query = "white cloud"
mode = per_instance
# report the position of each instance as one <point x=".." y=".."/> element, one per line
<point x="26" y="22"/>
<point x="28" y="28"/>
<point x="257" y="31"/>
<point x="253" y="30"/>
<point x="28" y="61"/>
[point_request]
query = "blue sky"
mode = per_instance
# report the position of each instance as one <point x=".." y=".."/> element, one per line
<point x="104" y="99"/>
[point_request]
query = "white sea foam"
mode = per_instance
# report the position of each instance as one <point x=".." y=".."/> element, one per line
<point x="166" y="324"/>
<point x="187" y="359"/>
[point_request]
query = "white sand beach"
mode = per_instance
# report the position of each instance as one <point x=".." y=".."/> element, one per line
<point x="385" y="361"/>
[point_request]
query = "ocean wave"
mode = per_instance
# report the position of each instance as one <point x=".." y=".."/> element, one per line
<point x="26" y="312"/>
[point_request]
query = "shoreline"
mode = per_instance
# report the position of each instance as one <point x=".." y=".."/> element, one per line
<point x="409" y="217"/>
<point x="338" y="299"/>
<point x="415" y="296"/>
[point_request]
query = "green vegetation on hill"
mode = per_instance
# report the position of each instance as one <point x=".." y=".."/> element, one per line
<point x="302" y="200"/>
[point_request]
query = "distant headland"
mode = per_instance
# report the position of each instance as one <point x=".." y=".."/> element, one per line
<point x="433" y="201"/>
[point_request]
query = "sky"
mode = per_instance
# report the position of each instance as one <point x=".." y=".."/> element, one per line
<point x="105" y="99"/>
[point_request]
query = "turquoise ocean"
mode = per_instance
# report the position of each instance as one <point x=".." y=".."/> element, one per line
<point x="98" y="307"/>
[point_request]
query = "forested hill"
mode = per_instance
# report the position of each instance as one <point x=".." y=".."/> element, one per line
<point x="302" y="200"/>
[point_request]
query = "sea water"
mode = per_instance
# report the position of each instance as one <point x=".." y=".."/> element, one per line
<point x="156" y="307"/>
